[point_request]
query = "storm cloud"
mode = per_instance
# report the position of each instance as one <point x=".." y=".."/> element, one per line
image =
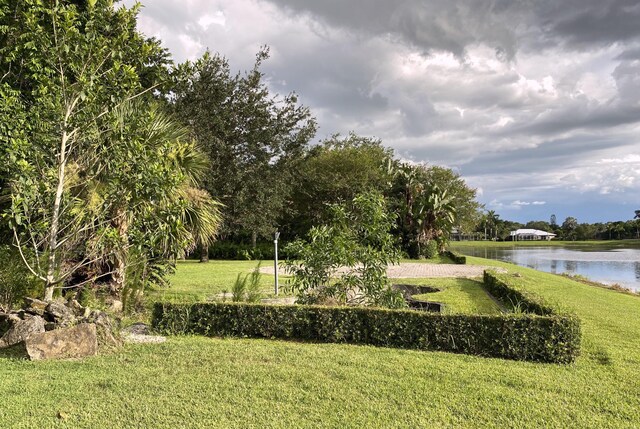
<point x="535" y="103"/>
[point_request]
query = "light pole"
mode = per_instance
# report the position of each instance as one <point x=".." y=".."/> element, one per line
<point x="275" y="259"/>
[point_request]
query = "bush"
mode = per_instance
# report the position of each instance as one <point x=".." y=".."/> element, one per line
<point x="429" y="250"/>
<point x="16" y="281"/>
<point x="510" y="292"/>
<point x="457" y="258"/>
<point x="242" y="252"/>
<point x="521" y="337"/>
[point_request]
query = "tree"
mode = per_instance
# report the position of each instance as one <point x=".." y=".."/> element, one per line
<point x="251" y="137"/>
<point x="357" y="238"/>
<point x="151" y="169"/>
<point x="335" y="172"/>
<point x="425" y="211"/>
<point x="568" y="228"/>
<point x="89" y="62"/>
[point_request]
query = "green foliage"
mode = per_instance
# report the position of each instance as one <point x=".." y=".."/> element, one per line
<point x="227" y="250"/>
<point x="251" y="137"/>
<point x="456" y="257"/>
<point x="358" y="238"/>
<point x="88" y="62"/>
<point x="16" y="281"/>
<point x="429" y="250"/>
<point x="247" y="286"/>
<point x="536" y="338"/>
<point x="334" y="172"/>
<point x="513" y="294"/>
<point x="427" y="201"/>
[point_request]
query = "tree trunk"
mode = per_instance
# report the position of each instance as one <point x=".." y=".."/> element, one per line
<point x="254" y="239"/>
<point x="121" y="224"/>
<point x="55" y="218"/>
<point x="204" y="253"/>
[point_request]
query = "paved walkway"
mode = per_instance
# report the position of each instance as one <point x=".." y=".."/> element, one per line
<point x="411" y="270"/>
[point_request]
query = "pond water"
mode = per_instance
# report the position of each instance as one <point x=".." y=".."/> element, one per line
<point x="604" y="264"/>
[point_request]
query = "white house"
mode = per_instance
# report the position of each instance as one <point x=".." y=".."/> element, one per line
<point x="531" y="234"/>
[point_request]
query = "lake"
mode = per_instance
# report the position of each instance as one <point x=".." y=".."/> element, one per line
<point x="604" y="264"/>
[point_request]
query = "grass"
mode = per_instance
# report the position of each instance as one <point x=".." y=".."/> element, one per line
<point x="465" y="296"/>
<point x="552" y="243"/>
<point x="197" y="382"/>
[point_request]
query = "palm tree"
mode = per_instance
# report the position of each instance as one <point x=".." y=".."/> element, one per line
<point x="173" y="166"/>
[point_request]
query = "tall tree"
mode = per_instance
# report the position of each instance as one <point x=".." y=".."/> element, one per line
<point x="334" y="172"/>
<point x="251" y="136"/>
<point x="69" y="65"/>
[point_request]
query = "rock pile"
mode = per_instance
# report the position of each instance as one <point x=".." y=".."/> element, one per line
<point x="56" y="329"/>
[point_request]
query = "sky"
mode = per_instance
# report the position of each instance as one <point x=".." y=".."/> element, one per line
<point x="535" y="103"/>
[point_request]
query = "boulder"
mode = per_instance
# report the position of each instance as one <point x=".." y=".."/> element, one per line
<point x="59" y="313"/>
<point x="76" y="342"/>
<point x="35" y="306"/>
<point x="21" y="330"/>
<point x="137" y="329"/>
<point x="7" y="320"/>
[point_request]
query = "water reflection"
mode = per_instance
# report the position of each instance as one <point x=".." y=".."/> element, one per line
<point x="603" y="264"/>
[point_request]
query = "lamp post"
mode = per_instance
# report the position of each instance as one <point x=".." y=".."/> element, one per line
<point x="275" y="259"/>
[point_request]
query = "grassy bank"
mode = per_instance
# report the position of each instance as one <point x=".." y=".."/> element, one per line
<point x="582" y="244"/>
<point x="203" y="382"/>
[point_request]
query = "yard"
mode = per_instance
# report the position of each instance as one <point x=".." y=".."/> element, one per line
<point x="213" y="382"/>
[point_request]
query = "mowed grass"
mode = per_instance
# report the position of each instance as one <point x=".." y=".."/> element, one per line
<point x="197" y="382"/>
<point x="459" y="295"/>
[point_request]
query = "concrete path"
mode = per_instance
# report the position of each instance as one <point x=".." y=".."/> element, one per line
<point x="411" y="270"/>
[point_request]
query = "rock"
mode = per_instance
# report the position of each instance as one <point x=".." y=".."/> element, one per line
<point x="35" y="306"/>
<point x="144" y="339"/>
<point x="137" y="329"/>
<point x="60" y="314"/>
<point x="105" y="327"/>
<point x="115" y="306"/>
<point x="76" y="342"/>
<point x="7" y="320"/>
<point x="76" y="307"/>
<point x="21" y="330"/>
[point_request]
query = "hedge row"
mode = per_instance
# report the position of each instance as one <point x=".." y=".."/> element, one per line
<point x="521" y="337"/>
<point x="457" y="258"/>
<point x="509" y="291"/>
<point x="234" y="251"/>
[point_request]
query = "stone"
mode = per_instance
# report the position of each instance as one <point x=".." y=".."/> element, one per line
<point x="105" y="328"/>
<point x="76" y="342"/>
<point x="76" y="307"/>
<point x="7" y="320"/>
<point x="137" y="329"/>
<point x="59" y="313"/>
<point x="35" y="304"/>
<point x="21" y="330"/>
<point x="115" y="306"/>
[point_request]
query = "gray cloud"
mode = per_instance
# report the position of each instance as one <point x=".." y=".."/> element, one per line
<point x="531" y="100"/>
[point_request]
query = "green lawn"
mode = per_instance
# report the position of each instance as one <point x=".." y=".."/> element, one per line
<point x="459" y="295"/>
<point x="209" y="382"/>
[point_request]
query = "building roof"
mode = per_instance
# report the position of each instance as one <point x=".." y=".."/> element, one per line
<point x="533" y="232"/>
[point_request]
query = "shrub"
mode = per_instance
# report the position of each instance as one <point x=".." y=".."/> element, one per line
<point x="358" y="237"/>
<point x="523" y="337"/>
<point x="457" y="258"/>
<point x="241" y="252"/>
<point x="429" y="250"/>
<point x="510" y="291"/>
<point x="16" y="281"/>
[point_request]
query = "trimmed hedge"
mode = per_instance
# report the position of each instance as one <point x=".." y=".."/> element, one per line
<point x="507" y="289"/>
<point x="521" y="337"/>
<point x="234" y="251"/>
<point x="457" y="258"/>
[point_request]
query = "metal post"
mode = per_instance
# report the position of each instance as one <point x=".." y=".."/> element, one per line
<point x="275" y="259"/>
